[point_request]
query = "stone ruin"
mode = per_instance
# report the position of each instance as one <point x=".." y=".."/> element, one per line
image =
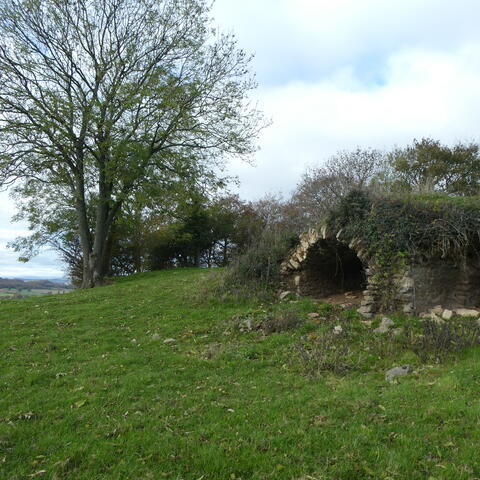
<point x="323" y="265"/>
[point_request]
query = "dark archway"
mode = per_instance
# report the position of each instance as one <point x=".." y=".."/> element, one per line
<point x="332" y="268"/>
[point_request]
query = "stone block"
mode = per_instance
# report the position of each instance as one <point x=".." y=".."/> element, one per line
<point x="467" y="312"/>
<point x="366" y="311"/>
<point x="447" y="314"/>
<point x="295" y="265"/>
<point x="408" y="308"/>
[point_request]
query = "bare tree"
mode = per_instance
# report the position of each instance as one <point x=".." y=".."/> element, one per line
<point x="99" y="98"/>
<point x="321" y="188"/>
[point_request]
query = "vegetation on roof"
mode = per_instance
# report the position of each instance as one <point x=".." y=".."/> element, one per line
<point x="418" y="226"/>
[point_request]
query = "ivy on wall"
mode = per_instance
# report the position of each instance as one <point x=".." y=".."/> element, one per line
<point x="396" y="231"/>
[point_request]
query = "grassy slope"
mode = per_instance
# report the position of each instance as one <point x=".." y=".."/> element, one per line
<point x="86" y="392"/>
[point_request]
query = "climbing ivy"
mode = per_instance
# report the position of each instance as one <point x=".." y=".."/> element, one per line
<point x="394" y="231"/>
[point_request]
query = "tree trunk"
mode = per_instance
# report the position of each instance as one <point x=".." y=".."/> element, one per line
<point x="95" y="254"/>
<point x="84" y="233"/>
<point x="97" y="262"/>
<point x="225" y="252"/>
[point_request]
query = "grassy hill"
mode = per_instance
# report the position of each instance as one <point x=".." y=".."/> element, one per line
<point x="153" y="378"/>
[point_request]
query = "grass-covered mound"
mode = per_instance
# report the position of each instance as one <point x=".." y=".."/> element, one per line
<point x="93" y="387"/>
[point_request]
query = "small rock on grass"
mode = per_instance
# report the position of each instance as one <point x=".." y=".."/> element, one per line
<point x="156" y="336"/>
<point x="169" y="340"/>
<point x="313" y="315"/>
<point x="385" y="325"/>
<point x="284" y="295"/>
<point x="447" y="314"/>
<point x="395" y="372"/>
<point x="337" y="330"/>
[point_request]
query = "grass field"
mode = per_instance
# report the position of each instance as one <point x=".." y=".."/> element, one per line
<point x="90" y="390"/>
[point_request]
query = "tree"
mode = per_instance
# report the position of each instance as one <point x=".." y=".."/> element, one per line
<point x="200" y="232"/>
<point x="428" y="166"/>
<point x="100" y="99"/>
<point x="322" y="188"/>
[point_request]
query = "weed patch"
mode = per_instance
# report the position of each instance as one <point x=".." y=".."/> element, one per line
<point x="344" y="344"/>
<point x="437" y="342"/>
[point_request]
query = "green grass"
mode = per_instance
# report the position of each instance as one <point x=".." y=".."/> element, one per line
<point x="87" y="392"/>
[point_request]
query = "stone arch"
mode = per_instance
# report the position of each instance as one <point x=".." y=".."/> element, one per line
<point x="322" y="265"/>
<point x="331" y="268"/>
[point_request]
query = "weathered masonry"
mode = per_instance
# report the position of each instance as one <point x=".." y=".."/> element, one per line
<point x="324" y="264"/>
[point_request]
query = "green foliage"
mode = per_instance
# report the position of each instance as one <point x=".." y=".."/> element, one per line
<point x="428" y="166"/>
<point x="165" y="245"/>
<point x="352" y="209"/>
<point x="102" y="102"/>
<point x="258" y="268"/>
<point x="203" y="233"/>
<point x="415" y="226"/>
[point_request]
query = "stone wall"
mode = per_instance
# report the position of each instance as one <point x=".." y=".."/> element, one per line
<point x="443" y="282"/>
<point x="312" y="270"/>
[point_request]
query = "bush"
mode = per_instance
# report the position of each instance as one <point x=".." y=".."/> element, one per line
<point x="437" y="341"/>
<point x="258" y="268"/>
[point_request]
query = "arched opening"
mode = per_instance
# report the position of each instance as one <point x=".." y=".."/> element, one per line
<point x="332" y="268"/>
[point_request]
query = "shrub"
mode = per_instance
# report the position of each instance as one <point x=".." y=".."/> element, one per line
<point x="437" y="341"/>
<point x="258" y="267"/>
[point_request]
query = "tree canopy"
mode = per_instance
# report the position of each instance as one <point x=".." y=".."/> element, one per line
<point x="101" y="99"/>
<point x="428" y="166"/>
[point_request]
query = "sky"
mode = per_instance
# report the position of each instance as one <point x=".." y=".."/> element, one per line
<point x="335" y="75"/>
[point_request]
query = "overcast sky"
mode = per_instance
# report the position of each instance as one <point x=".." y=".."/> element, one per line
<point x="336" y="75"/>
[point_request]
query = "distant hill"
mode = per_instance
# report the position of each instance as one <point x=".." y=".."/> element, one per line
<point x="33" y="284"/>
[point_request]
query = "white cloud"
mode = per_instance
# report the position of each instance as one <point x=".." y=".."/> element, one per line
<point x="424" y="94"/>
<point x="46" y="265"/>
<point x="309" y="38"/>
